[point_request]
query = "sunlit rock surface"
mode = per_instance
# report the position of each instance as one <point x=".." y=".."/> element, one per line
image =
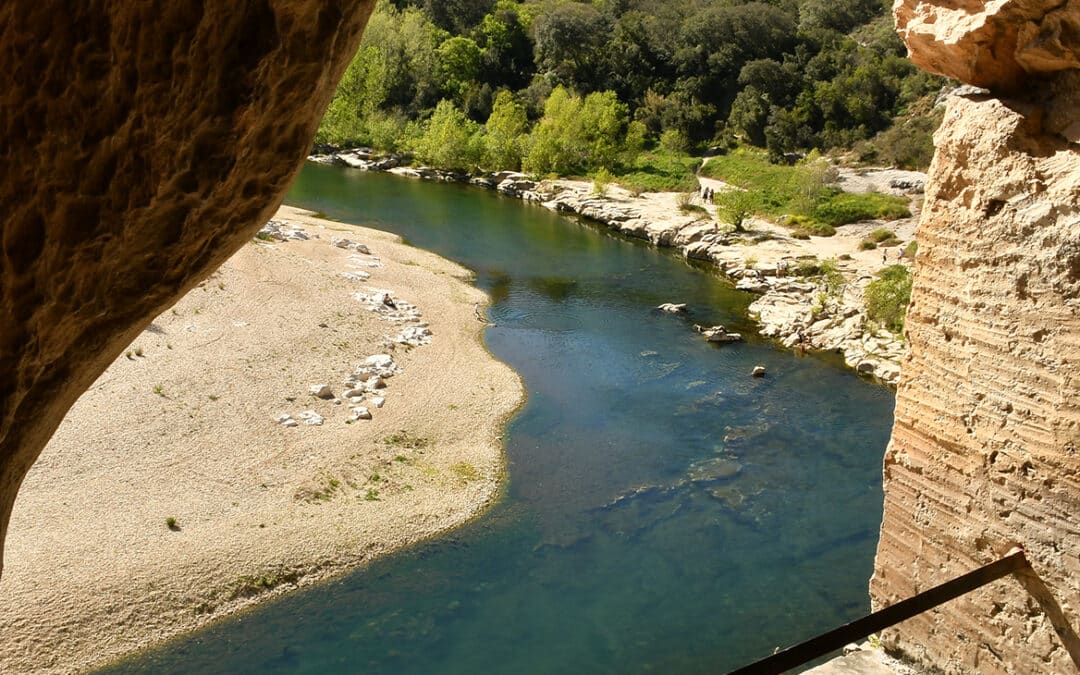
<point x="985" y="452"/>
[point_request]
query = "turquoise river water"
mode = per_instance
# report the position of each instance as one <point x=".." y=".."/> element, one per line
<point x="665" y="513"/>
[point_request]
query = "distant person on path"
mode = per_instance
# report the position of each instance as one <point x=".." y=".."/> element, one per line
<point x="884" y="256"/>
<point x="900" y="254"/>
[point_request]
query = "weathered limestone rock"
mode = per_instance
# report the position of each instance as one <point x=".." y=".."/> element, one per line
<point x="997" y="44"/>
<point x="985" y="451"/>
<point x="143" y="143"/>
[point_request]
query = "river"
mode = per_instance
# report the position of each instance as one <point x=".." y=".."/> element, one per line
<point x="664" y="513"/>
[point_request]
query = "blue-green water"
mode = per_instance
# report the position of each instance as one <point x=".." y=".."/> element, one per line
<point x="623" y="544"/>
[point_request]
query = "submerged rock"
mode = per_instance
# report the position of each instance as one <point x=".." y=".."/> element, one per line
<point x="713" y="469"/>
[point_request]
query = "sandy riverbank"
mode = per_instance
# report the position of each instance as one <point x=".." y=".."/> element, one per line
<point x="184" y="427"/>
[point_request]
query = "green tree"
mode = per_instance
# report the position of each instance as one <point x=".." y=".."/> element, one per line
<point x="603" y="126"/>
<point x="554" y="146"/>
<point x="887" y="297"/>
<point x="459" y="63"/>
<point x="569" y="43"/>
<point x="449" y="140"/>
<point x="506" y="131"/>
<point x="735" y="207"/>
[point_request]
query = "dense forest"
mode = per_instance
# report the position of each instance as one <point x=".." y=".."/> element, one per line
<point x="563" y="87"/>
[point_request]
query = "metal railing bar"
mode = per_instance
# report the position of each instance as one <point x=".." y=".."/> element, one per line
<point x="860" y="629"/>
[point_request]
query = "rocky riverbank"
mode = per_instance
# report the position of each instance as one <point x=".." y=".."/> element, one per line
<point x="810" y="291"/>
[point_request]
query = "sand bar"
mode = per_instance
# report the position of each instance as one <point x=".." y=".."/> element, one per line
<point x="183" y="426"/>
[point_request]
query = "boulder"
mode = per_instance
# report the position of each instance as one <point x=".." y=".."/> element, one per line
<point x="758" y="371"/>
<point x="673" y="308"/>
<point x="322" y="391"/>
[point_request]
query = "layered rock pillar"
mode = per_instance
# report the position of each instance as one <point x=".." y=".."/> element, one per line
<point x="985" y="451"/>
<point x="142" y="144"/>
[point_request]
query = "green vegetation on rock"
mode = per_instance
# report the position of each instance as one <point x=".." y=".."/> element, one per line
<point x="887" y="297"/>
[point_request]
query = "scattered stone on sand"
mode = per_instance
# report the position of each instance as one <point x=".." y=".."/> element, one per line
<point x="356" y="276"/>
<point x="758" y="371"/>
<point x="322" y="391"/>
<point x="414" y="336"/>
<point x="350" y="245"/>
<point x="286" y="420"/>
<point x="310" y="418"/>
<point x="360" y="413"/>
<point x="377" y="401"/>
<point x="282" y="230"/>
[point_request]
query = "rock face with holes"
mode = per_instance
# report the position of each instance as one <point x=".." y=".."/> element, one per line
<point x="143" y="144"/>
<point x="985" y="451"/>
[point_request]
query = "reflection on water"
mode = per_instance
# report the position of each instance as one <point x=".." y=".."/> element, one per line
<point x="666" y="512"/>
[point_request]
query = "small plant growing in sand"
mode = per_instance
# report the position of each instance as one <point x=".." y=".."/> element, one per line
<point x="171" y="523"/>
<point x="372" y="495"/>
<point x="138" y="351"/>
<point x="159" y="390"/>
<point x="465" y="471"/>
<point x="403" y="439"/>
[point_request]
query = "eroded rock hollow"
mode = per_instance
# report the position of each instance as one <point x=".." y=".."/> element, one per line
<point x="985" y="452"/>
<point x="143" y="144"/>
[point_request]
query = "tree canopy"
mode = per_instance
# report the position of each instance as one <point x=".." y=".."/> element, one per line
<point x="786" y="75"/>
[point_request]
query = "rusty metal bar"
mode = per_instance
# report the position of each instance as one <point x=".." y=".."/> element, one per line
<point x="859" y="629"/>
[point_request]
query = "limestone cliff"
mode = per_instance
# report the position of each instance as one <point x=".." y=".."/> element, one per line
<point x="985" y="452"/>
<point x="143" y="143"/>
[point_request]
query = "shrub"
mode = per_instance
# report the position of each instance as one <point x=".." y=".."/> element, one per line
<point x="687" y="205"/>
<point x="601" y="179"/>
<point x="867" y="245"/>
<point x="881" y="234"/>
<point x="887" y="297"/>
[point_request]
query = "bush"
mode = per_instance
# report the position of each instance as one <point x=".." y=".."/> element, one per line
<point x="881" y="234"/>
<point x="867" y="245"/>
<point x="887" y="297"/>
<point x="809" y="226"/>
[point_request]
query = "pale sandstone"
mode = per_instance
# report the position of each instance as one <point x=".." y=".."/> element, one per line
<point x="985" y="451"/>
<point x="184" y="425"/>
<point x="997" y="44"/>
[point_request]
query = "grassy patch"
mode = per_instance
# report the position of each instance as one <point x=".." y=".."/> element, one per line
<point x="403" y="439"/>
<point x="465" y="471"/>
<point x="845" y="207"/>
<point x="800" y="192"/>
<point x="327" y="488"/>
<point x="250" y="585"/>
<point x="659" y="171"/>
